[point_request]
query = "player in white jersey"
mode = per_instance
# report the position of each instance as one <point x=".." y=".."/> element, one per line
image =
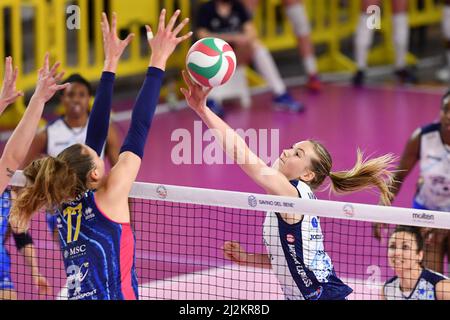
<point x="430" y="145"/>
<point x="412" y="281"/>
<point x="71" y="129"/>
<point x="294" y="242"/>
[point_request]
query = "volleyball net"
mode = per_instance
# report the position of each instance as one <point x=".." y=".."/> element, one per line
<point x="181" y="233"/>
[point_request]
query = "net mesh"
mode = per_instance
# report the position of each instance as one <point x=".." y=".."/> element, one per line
<point x="180" y="234"/>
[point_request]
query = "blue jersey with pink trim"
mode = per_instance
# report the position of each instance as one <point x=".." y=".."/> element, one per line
<point x="98" y="253"/>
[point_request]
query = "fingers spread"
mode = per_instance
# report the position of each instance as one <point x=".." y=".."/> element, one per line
<point x="180" y="26"/>
<point x="187" y="79"/>
<point x="105" y="22"/>
<point x="46" y="62"/>
<point x="162" y="20"/>
<point x="172" y="20"/>
<point x="8" y="68"/>
<point x="114" y="23"/>
<point x="149" y="33"/>
<point x="129" y="39"/>
<point x="185" y="37"/>
<point x="54" y="68"/>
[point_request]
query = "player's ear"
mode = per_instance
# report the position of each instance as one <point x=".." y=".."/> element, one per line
<point x="94" y="175"/>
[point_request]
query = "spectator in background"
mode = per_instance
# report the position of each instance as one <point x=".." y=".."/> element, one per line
<point x="229" y="20"/>
<point x="444" y="74"/>
<point x="296" y="13"/>
<point x="412" y="281"/>
<point x="364" y="39"/>
<point x="431" y="146"/>
<point x="70" y="129"/>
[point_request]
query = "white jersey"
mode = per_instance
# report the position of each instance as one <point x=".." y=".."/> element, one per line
<point x="425" y="288"/>
<point x="434" y="191"/>
<point x="60" y="136"/>
<point x="298" y="256"/>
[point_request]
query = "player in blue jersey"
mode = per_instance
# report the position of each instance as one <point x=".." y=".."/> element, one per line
<point x="429" y="146"/>
<point x="97" y="242"/>
<point x="70" y="129"/>
<point x="294" y="242"/>
<point x="412" y="281"/>
<point x="10" y="160"/>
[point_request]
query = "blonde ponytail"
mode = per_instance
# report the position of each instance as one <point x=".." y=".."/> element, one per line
<point x="364" y="175"/>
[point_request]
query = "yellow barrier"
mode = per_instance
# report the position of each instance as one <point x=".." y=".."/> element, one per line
<point x="81" y="50"/>
<point x="430" y="14"/>
<point x="331" y="22"/>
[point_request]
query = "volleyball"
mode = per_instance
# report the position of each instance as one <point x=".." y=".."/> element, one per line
<point x="211" y="62"/>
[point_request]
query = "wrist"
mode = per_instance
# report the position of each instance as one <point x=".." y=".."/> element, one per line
<point x="110" y="65"/>
<point x="158" y="62"/>
<point x="38" y="98"/>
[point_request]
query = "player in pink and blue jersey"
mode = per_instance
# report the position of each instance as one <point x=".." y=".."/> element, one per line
<point x="97" y="242"/>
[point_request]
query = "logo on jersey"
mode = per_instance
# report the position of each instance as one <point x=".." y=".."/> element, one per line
<point x="162" y="192"/>
<point x="299" y="266"/>
<point x="315" y="295"/>
<point x="252" y="201"/>
<point x="88" y="214"/>
<point x="316" y="237"/>
<point x="349" y="211"/>
<point x="290" y="238"/>
<point x="315" y="223"/>
<point x="75" y="276"/>
<point x="75" y="252"/>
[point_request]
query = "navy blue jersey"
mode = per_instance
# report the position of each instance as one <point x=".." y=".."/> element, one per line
<point x="98" y="253"/>
<point x="425" y="288"/>
<point x="298" y="257"/>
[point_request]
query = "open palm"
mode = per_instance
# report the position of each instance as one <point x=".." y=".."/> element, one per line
<point x="9" y="92"/>
<point x="112" y="45"/>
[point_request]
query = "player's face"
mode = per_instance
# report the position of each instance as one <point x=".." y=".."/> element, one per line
<point x="402" y="252"/>
<point x="99" y="165"/>
<point x="76" y="100"/>
<point x="295" y="162"/>
<point x="445" y="115"/>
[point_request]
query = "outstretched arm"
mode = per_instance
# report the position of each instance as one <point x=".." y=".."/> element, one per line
<point x="9" y="93"/>
<point x="113" y="196"/>
<point x="113" y="47"/>
<point x="23" y="135"/>
<point x="268" y="178"/>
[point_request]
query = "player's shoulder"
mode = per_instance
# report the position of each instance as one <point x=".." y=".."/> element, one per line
<point x="429" y="128"/>
<point x="391" y="282"/>
<point x="433" y="276"/>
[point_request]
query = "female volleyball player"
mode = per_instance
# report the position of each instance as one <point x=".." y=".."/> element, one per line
<point x="364" y="38"/>
<point x="11" y="158"/>
<point x="93" y="221"/>
<point x="70" y="129"/>
<point x="430" y="145"/>
<point x="295" y="243"/>
<point x="412" y="281"/>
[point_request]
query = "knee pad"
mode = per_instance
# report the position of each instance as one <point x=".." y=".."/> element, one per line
<point x="297" y="15"/>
